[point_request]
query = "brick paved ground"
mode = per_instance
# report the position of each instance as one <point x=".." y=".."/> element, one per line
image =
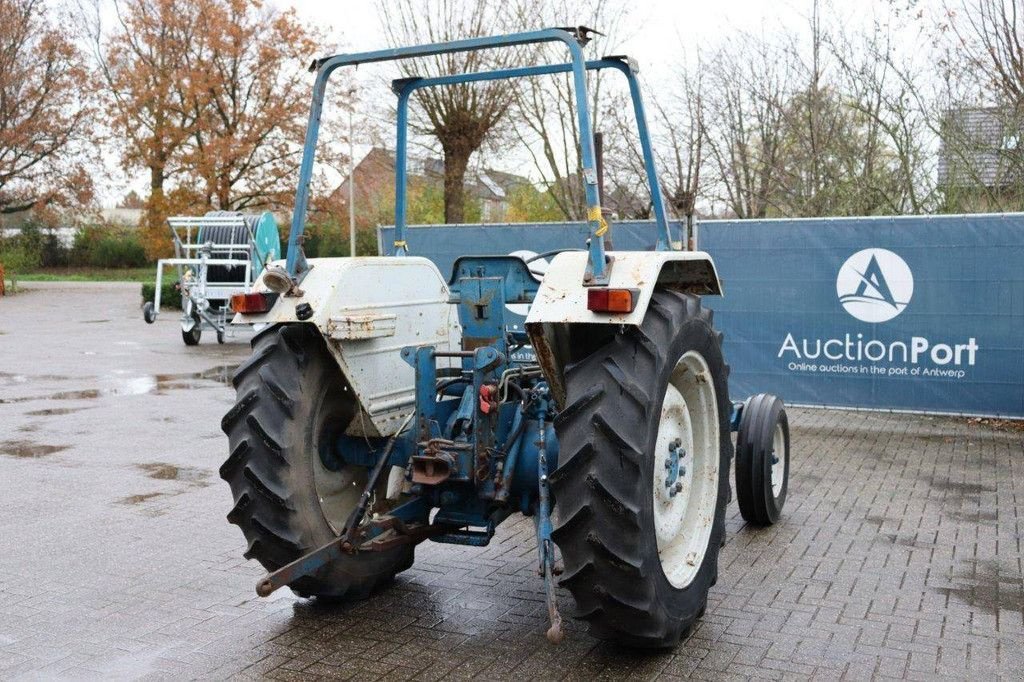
<point x="899" y="554"/>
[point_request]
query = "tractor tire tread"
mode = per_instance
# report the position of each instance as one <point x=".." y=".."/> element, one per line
<point x="261" y="466"/>
<point x="597" y="488"/>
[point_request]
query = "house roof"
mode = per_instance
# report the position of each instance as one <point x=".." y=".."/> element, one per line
<point x="483" y="183"/>
<point x="981" y="146"/>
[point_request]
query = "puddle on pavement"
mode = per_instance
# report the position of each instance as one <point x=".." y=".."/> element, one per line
<point x="26" y="449"/>
<point x="8" y="379"/>
<point x="967" y="489"/>
<point x="220" y="374"/>
<point x="162" y="471"/>
<point x="55" y="411"/>
<point x="985" y="517"/>
<point x="116" y="385"/>
<point x="988" y="587"/>
<point x="139" y="499"/>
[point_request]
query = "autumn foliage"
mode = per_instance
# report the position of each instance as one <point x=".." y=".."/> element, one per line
<point x="211" y="98"/>
<point x="45" y="111"/>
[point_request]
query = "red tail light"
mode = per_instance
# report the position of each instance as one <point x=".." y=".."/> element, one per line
<point x="252" y="303"/>
<point x="612" y="300"/>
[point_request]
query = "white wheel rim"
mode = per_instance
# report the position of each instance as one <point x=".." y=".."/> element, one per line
<point x="683" y="521"/>
<point x="779" y="460"/>
<point x="337" y="491"/>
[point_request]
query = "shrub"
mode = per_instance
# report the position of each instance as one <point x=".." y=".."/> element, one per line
<point x="115" y="250"/>
<point x="17" y="259"/>
<point x="330" y="240"/>
<point x="85" y="243"/>
<point x="169" y="296"/>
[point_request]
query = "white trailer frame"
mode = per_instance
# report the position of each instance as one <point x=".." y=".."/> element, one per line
<point x="192" y="260"/>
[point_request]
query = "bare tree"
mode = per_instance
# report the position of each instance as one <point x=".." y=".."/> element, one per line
<point x="546" y="105"/>
<point x="748" y="82"/>
<point x="990" y="34"/>
<point x="460" y="116"/>
<point x="982" y="122"/>
<point x="678" y="132"/>
<point x="681" y="170"/>
<point x="885" y="90"/>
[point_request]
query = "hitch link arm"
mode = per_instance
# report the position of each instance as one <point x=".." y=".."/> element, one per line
<point x="544" y="542"/>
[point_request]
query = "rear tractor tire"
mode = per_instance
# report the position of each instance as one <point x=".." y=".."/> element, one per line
<point x="643" y="477"/>
<point x="291" y="408"/>
<point x="762" y="459"/>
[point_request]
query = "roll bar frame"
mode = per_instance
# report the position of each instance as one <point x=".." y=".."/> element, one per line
<point x="578" y="66"/>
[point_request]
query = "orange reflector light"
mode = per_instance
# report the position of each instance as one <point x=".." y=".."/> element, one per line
<point x="250" y="303"/>
<point x="611" y="300"/>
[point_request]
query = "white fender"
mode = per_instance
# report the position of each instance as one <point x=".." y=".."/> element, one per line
<point x="367" y="310"/>
<point x="562" y="298"/>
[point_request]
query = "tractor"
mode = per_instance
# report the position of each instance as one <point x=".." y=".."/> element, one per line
<point x="385" y="404"/>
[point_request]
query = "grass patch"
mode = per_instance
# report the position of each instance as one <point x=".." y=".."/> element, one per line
<point x="87" y="274"/>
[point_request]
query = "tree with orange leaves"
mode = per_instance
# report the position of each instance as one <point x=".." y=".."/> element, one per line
<point x="148" y="65"/>
<point x="250" y="105"/>
<point x="45" y="112"/>
<point x="211" y="98"/>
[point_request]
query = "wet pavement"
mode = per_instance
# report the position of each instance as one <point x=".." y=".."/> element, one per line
<point x="899" y="554"/>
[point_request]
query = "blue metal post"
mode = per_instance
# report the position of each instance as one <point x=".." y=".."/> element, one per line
<point x="305" y="175"/>
<point x="405" y="88"/>
<point x="657" y="201"/>
<point x="401" y="167"/>
<point x="578" y="67"/>
<point x="598" y="226"/>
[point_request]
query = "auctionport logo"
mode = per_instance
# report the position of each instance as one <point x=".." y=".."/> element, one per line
<point x="875" y="285"/>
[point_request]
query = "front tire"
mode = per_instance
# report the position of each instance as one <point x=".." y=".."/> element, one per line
<point x="639" y="559"/>
<point x="762" y="459"/>
<point x="292" y="406"/>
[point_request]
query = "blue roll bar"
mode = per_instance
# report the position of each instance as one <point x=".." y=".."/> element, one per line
<point x="578" y="66"/>
<point x="405" y="87"/>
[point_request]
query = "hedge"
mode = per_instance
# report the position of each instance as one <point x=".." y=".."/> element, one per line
<point x="169" y="296"/>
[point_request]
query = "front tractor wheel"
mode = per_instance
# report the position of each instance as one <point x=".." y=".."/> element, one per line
<point x="762" y="459"/>
<point x="291" y="409"/>
<point x="643" y="480"/>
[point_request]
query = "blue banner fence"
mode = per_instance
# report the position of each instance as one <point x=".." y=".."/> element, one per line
<point x="915" y="313"/>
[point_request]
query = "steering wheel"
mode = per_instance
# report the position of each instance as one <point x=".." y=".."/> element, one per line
<point x="552" y="252"/>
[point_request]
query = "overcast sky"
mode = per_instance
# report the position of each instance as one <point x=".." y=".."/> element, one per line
<point x="657" y="33"/>
<point x="656" y="29"/>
